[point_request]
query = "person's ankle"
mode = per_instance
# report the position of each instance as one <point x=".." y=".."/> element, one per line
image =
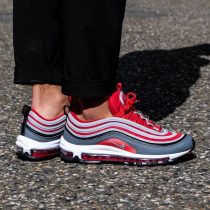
<point x="90" y="109"/>
<point x="48" y="100"/>
<point x="50" y="109"/>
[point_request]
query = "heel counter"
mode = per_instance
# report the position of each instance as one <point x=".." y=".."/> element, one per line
<point x="25" y="111"/>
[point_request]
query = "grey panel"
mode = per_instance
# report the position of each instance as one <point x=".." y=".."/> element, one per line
<point x="36" y="137"/>
<point x="184" y="144"/>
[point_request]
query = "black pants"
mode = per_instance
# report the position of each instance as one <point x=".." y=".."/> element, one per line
<point x="72" y="43"/>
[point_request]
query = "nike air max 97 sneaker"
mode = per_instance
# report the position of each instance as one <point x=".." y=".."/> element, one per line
<point x="128" y="136"/>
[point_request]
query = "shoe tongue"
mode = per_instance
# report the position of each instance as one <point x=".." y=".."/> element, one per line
<point x="117" y="100"/>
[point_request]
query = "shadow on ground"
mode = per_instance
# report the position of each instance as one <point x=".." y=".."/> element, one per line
<point x="162" y="78"/>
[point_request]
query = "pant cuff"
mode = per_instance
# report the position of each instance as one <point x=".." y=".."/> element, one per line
<point x="30" y="76"/>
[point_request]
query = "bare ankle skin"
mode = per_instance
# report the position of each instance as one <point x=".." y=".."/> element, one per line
<point x="91" y="108"/>
<point x="48" y="100"/>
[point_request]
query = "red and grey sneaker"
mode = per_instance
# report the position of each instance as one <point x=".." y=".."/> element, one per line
<point x="128" y="137"/>
<point x="40" y="137"/>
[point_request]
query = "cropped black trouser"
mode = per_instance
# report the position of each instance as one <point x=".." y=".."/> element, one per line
<point x="72" y="43"/>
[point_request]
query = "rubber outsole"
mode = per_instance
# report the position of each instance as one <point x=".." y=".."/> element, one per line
<point x="37" y="155"/>
<point x="29" y="149"/>
<point x="90" y="159"/>
<point x="101" y="159"/>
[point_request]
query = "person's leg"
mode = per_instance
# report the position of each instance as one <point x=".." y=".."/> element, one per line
<point x="93" y="108"/>
<point x="37" y="51"/>
<point x="91" y="32"/>
<point x="48" y="100"/>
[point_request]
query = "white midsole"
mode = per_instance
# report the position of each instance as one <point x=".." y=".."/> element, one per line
<point x="77" y="150"/>
<point x="28" y="144"/>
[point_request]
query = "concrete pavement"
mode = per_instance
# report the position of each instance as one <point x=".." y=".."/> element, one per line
<point x="165" y="59"/>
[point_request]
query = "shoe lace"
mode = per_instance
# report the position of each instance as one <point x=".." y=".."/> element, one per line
<point x="129" y="110"/>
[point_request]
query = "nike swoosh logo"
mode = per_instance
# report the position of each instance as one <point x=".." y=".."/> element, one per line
<point x="121" y="146"/>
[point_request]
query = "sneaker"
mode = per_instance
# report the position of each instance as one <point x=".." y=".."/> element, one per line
<point x="40" y="137"/>
<point x="128" y="136"/>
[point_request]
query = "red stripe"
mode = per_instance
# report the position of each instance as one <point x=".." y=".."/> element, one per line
<point x="94" y="126"/>
<point x="48" y="131"/>
<point x="46" y="124"/>
<point x="117" y="143"/>
<point x="127" y="131"/>
<point x="77" y="118"/>
<point x="45" y="118"/>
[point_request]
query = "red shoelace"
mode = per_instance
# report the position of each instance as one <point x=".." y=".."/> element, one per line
<point x="128" y="111"/>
